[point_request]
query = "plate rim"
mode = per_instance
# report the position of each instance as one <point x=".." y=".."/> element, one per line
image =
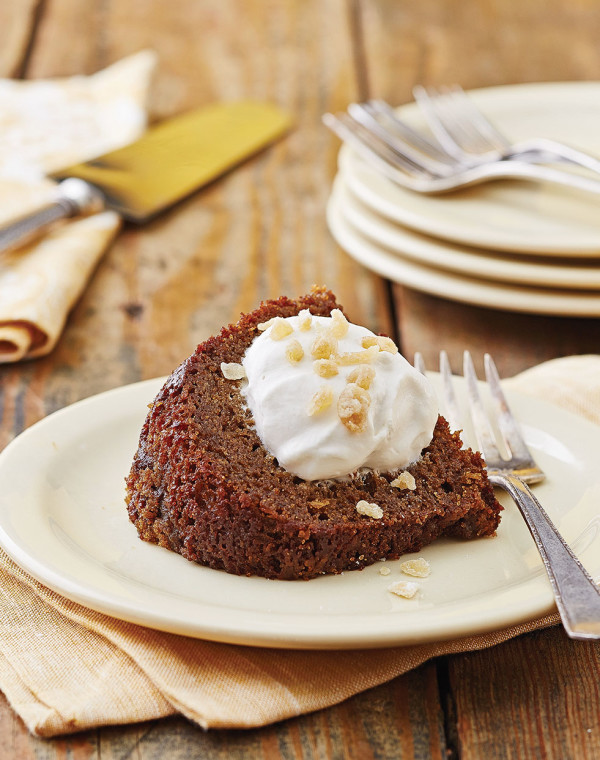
<point x="407" y="243"/>
<point x="443" y="283"/>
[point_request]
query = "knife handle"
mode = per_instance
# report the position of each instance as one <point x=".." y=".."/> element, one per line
<point x="72" y="197"/>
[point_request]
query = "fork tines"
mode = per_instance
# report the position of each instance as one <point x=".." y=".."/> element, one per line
<point x="460" y="147"/>
<point x="458" y="124"/>
<point x="519" y="460"/>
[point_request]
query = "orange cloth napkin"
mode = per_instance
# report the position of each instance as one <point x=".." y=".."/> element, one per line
<point x="47" y="125"/>
<point x="65" y="668"/>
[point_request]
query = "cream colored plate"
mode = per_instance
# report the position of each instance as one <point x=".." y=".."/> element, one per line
<point x="507" y="216"/>
<point x="457" y="287"/>
<point x="63" y="519"/>
<point x="558" y="273"/>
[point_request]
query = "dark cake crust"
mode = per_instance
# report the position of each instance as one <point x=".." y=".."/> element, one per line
<point x="202" y="484"/>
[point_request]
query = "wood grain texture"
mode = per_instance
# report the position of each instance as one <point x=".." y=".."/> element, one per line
<point x="489" y="43"/>
<point x="17" y="31"/>
<point x="544" y="684"/>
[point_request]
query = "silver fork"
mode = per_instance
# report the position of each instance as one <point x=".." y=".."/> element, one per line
<point x="577" y="596"/>
<point x="418" y="163"/>
<point x="465" y="132"/>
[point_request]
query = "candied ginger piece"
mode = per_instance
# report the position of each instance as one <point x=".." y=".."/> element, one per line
<point x="294" y="351"/>
<point x="304" y="320"/>
<point x="369" y="509"/>
<point x="382" y="342"/>
<point x="406" y="589"/>
<point x="324" y="346"/>
<point x="362" y="375"/>
<point x="358" y="357"/>
<point x="339" y="324"/>
<point x="262" y="326"/>
<point x="325" y="367"/>
<point x="321" y="400"/>
<point x="233" y="371"/>
<point x="280" y="329"/>
<point x="404" y="480"/>
<point x="353" y="407"/>
<point x="419" y="568"/>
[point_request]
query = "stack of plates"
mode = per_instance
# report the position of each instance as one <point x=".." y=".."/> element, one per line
<point x="521" y="246"/>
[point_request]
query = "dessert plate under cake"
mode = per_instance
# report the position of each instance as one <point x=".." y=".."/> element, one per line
<point x="64" y="523"/>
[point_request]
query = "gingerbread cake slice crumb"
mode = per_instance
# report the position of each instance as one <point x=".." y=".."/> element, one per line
<point x="203" y="484"/>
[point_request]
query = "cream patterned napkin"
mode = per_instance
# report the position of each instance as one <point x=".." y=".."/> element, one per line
<point x="47" y="125"/>
<point x="65" y="668"/>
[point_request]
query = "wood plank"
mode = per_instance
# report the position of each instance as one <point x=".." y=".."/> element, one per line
<point x="68" y="40"/>
<point x="494" y="43"/>
<point x="17" y="27"/>
<point x="535" y="696"/>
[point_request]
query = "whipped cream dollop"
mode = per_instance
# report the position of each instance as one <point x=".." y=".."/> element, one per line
<point x="329" y="397"/>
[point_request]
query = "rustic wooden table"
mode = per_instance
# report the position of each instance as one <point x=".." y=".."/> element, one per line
<point x="261" y="232"/>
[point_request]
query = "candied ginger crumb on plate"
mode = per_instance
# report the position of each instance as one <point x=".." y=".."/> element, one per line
<point x="405" y="589"/>
<point x="417" y="567"/>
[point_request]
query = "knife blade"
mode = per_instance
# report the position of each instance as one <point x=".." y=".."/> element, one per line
<point x="168" y="163"/>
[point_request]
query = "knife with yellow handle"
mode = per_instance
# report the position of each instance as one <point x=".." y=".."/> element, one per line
<point x="168" y="163"/>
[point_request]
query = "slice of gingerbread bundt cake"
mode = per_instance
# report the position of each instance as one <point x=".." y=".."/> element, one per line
<point x="295" y="444"/>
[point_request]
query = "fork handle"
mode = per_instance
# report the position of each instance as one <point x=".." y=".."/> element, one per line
<point x="520" y="169"/>
<point x="545" y="150"/>
<point x="577" y="596"/>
